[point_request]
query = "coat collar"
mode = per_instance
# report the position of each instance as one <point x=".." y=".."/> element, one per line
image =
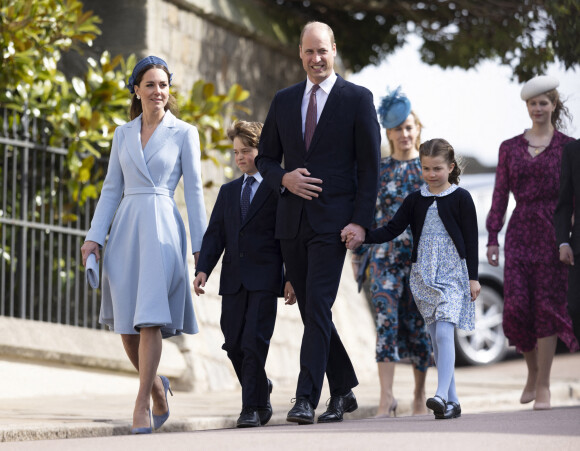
<point x="133" y="140"/>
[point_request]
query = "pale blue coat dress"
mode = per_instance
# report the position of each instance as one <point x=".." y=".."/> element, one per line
<point x="145" y="274"/>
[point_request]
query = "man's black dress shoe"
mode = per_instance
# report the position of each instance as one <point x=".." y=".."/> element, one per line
<point x="248" y="418"/>
<point x="337" y="406"/>
<point x="453" y="410"/>
<point x="302" y="412"/>
<point x="265" y="413"/>
<point x="437" y="404"/>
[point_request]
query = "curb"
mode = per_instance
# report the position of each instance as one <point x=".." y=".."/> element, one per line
<point x="563" y="394"/>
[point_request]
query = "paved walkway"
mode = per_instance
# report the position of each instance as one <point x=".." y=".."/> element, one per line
<point x="482" y="389"/>
<point x="553" y="430"/>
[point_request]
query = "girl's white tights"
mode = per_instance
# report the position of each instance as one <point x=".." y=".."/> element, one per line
<point x="443" y="341"/>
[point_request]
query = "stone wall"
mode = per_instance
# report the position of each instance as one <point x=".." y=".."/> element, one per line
<point x="218" y="40"/>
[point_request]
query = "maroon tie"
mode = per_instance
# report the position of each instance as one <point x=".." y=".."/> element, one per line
<point x="310" y="117"/>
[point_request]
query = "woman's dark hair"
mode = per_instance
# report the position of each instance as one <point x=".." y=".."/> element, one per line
<point x="438" y="147"/>
<point x="560" y="112"/>
<point x="137" y="108"/>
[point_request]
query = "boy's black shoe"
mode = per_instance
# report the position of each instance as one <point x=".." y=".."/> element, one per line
<point x="248" y="418"/>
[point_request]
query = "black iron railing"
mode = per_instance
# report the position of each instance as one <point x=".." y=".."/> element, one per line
<point x="41" y="229"/>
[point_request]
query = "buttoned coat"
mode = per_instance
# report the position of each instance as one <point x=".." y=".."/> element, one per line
<point x="344" y="154"/>
<point x="145" y="273"/>
<point x="251" y="253"/>
<point x="567" y="213"/>
<point x="567" y="225"/>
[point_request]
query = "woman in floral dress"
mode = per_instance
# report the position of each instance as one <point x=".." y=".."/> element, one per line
<point x="535" y="280"/>
<point x="401" y="331"/>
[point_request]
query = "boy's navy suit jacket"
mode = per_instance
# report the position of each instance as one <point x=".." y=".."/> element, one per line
<point x="252" y="255"/>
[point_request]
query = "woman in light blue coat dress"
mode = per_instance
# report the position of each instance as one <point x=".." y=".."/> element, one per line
<point x="145" y="285"/>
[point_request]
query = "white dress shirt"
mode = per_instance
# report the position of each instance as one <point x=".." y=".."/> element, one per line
<point x="321" y="97"/>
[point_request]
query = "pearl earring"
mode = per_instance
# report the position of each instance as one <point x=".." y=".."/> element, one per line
<point x="138" y="97"/>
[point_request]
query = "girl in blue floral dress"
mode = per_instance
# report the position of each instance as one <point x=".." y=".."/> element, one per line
<point x="444" y="277"/>
<point x="401" y="330"/>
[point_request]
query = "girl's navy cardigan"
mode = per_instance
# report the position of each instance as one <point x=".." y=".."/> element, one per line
<point x="457" y="212"/>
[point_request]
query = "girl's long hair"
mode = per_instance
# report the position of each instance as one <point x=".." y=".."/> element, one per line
<point x="439" y="147"/>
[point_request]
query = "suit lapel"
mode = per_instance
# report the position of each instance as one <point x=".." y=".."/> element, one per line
<point x="328" y="112"/>
<point x="132" y="132"/>
<point x="295" y="113"/>
<point x="236" y="210"/>
<point x="259" y="198"/>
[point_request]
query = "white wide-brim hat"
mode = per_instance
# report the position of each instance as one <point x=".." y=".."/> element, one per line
<point x="538" y="85"/>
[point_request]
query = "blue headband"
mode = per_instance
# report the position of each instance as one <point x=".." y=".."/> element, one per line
<point x="394" y="108"/>
<point x="147" y="61"/>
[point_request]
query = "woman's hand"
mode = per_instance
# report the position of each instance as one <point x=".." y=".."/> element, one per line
<point x="90" y="247"/>
<point x="475" y="288"/>
<point x="289" y="295"/>
<point x="493" y="254"/>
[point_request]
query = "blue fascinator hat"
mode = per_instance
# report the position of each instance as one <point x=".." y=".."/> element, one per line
<point x="394" y="108"/>
<point x="147" y="61"/>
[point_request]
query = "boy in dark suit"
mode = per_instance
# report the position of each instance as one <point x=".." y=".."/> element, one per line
<point x="242" y="224"/>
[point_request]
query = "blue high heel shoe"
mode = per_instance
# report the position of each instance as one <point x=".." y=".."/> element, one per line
<point x="158" y="420"/>
<point x="148" y="430"/>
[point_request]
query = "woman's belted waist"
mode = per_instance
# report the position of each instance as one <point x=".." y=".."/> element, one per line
<point x="149" y="190"/>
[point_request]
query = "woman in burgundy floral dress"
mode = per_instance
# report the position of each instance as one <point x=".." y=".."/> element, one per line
<point x="535" y="281"/>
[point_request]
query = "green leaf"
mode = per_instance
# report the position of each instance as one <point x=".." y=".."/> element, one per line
<point x="88" y="191"/>
<point x="208" y="90"/>
<point x="84" y="111"/>
<point x="79" y="87"/>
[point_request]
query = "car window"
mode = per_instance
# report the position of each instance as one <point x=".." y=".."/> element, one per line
<point x="480" y="186"/>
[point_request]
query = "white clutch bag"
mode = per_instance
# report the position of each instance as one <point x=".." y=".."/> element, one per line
<point x="92" y="271"/>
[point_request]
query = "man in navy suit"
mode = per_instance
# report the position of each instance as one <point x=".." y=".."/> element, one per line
<point x="326" y="131"/>
<point x="567" y="225"/>
<point x="242" y="223"/>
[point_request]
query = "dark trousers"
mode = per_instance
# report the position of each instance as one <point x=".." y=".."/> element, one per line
<point x="314" y="266"/>
<point x="247" y="322"/>
<point x="574" y="295"/>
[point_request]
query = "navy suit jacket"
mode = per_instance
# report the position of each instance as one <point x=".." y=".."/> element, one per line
<point x="252" y="255"/>
<point x="567" y="214"/>
<point x="344" y="153"/>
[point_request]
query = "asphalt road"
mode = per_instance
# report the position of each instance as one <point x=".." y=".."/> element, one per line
<point x="557" y="429"/>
